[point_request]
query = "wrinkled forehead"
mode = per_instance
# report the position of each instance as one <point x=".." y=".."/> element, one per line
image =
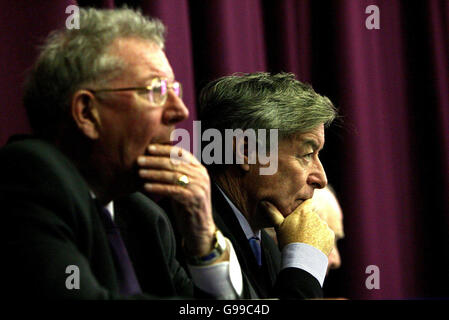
<point x="142" y="58"/>
<point x="313" y="137"/>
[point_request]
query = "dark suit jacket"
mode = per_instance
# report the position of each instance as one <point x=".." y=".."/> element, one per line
<point x="51" y="222"/>
<point x="267" y="281"/>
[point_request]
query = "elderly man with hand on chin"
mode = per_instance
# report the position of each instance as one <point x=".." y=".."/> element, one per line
<point x="102" y="101"/>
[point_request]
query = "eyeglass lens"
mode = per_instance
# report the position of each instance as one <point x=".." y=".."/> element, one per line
<point x="160" y="87"/>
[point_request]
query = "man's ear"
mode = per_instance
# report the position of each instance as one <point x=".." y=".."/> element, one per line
<point x="242" y="153"/>
<point x="85" y="113"/>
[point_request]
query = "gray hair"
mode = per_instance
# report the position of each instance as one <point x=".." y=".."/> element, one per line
<point x="264" y="101"/>
<point x="72" y="58"/>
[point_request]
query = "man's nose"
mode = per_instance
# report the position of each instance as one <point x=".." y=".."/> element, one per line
<point x="317" y="178"/>
<point x="174" y="109"/>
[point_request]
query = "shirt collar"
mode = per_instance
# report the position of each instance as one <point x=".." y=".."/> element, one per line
<point x="244" y="224"/>
<point x="109" y="206"/>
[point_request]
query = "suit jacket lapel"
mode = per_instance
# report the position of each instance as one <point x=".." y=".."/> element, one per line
<point x="228" y="223"/>
<point x="272" y="256"/>
<point x="143" y="246"/>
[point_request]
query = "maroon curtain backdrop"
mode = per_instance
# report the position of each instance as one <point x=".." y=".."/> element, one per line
<point x="388" y="157"/>
<point x="22" y="26"/>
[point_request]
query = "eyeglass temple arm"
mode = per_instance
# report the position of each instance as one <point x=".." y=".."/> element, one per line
<point x="120" y="89"/>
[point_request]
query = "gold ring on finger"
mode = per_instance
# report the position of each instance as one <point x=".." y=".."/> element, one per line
<point x="183" y="181"/>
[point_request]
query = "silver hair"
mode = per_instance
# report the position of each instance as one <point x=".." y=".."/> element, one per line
<point x="264" y="101"/>
<point x="72" y="58"/>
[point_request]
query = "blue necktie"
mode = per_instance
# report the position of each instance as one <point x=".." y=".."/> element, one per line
<point x="254" y="243"/>
<point x="125" y="272"/>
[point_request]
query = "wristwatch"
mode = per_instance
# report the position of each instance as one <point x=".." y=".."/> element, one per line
<point x="217" y="251"/>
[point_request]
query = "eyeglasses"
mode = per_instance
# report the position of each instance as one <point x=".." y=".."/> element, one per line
<point x="156" y="92"/>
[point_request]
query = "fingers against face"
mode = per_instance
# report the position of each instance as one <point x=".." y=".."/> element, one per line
<point x="272" y="213"/>
<point x="175" y="154"/>
<point x="164" y="165"/>
<point x="303" y="225"/>
<point x="161" y="169"/>
<point x="278" y="218"/>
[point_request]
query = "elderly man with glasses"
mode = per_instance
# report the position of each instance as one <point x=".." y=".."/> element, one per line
<point x="102" y="102"/>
